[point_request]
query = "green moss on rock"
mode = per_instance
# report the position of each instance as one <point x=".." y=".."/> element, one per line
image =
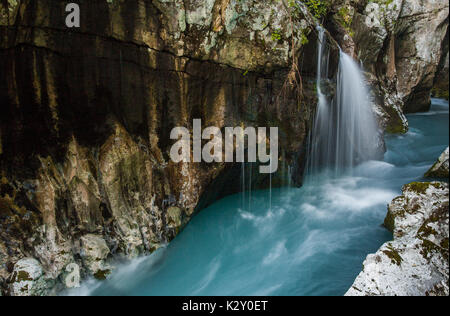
<point x="394" y="256"/>
<point x="420" y="187"/>
<point x="102" y="275"/>
<point x="23" y="276"/>
<point x="389" y="221"/>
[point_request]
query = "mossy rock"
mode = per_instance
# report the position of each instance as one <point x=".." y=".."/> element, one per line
<point x="22" y="276"/>
<point x="438" y="92"/>
<point x="102" y="275"/>
<point x="421" y="187"/>
<point x="389" y="222"/>
<point x="394" y="256"/>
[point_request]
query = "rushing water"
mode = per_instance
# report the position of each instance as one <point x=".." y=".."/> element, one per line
<point x="345" y="131"/>
<point x="312" y="241"/>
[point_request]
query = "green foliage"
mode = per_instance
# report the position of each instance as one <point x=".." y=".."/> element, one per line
<point x="345" y="18"/>
<point x="276" y="36"/>
<point x="319" y="8"/>
<point x="303" y="40"/>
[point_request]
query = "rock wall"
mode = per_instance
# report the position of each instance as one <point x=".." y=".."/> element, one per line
<point x="85" y="116"/>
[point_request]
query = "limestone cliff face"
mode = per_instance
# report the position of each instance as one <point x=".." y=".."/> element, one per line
<point x="86" y="114"/>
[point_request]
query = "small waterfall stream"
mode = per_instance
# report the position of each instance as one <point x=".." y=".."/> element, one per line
<point x="344" y="130"/>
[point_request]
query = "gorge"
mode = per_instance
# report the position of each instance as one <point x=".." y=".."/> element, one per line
<point x="85" y="121"/>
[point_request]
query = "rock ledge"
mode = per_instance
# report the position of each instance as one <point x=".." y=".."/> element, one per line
<point x="416" y="262"/>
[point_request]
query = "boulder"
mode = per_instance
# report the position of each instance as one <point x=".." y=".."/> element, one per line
<point x="416" y="262"/>
<point x="94" y="252"/>
<point x="27" y="279"/>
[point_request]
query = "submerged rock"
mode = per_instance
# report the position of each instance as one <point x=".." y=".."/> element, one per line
<point x="416" y="262"/>
<point x="440" y="168"/>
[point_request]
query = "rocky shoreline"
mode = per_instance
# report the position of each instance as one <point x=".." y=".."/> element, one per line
<point x="416" y="262"/>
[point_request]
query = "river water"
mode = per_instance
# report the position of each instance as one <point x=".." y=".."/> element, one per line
<point x="307" y="241"/>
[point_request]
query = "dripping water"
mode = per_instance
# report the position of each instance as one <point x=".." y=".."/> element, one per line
<point x="243" y="185"/>
<point x="250" y="187"/>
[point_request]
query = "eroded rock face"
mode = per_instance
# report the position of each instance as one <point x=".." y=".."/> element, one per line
<point x="440" y="169"/>
<point x="87" y="113"/>
<point x="402" y="44"/>
<point x="441" y="82"/>
<point x="416" y="262"/>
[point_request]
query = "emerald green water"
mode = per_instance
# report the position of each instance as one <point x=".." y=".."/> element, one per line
<point x="310" y="241"/>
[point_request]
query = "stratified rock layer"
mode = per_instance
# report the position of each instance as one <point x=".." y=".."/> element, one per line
<point x="416" y="262"/>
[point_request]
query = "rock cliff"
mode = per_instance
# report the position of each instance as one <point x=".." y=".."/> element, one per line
<point x="87" y="113"/>
<point x="85" y="116"/>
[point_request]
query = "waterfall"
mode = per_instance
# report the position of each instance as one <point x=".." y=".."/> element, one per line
<point x="344" y="131"/>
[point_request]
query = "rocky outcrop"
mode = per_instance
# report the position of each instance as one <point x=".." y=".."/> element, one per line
<point x="94" y="252"/>
<point x="416" y="262"/>
<point x="28" y="279"/>
<point x="440" y="169"/>
<point x="441" y="83"/>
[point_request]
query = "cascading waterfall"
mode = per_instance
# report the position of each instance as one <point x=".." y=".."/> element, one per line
<point x="344" y="130"/>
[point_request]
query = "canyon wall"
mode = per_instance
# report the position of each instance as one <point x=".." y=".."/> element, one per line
<point x="86" y="113"/>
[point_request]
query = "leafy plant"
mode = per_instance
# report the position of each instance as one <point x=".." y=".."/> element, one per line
<point x="319" y="8"/>
<point x="276" y="36"/>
